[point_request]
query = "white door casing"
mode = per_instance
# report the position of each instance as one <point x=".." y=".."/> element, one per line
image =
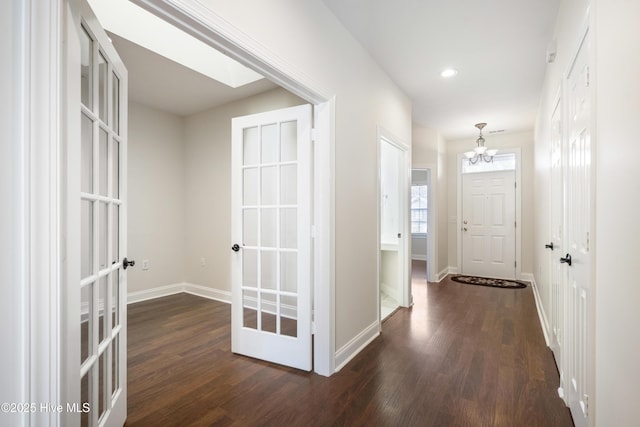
<point x="488" y="224"/>
<point x="95" y="323"/>
<point x="271" y="226"/>
<point x="577" y="235"/>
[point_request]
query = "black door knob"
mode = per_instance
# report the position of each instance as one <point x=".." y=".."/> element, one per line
<point x="566" y="260"/>
<point x="127" y="263"/>
<point x="235" y="247"/>
<point x="549" y="246"/>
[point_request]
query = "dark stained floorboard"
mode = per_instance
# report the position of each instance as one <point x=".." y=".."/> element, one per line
<point x="462" y="356"/>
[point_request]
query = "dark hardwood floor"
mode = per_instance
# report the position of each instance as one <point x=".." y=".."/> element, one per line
<point x="462" y="356"/>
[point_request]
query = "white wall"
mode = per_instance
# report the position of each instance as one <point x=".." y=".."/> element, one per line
<point x="306" y="35"/>
<point x="156" y="183"/>
<point x="207" y="186"/>
<point x="522" y="140"/>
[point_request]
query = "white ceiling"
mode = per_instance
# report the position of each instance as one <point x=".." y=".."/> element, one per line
<point x="168" y="86"/>
<point x="498" y="46"/>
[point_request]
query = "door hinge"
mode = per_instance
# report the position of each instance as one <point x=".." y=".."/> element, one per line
<point x="314" y="134"/>
<point x="586" y="405"/>
<point x="515" y="224"/>
<point x="515" y="264"/>
<point x="587" y="77"/>
<point x="515" y="185"/>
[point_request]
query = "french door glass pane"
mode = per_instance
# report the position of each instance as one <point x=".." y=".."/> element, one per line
<point x="250" y="187"/>
<point x="289" y="272"/>
<point x="115" y="233"/>
<point x="288" y="141"/>
<point x="103" y="150"/>
<point x="268" y="270"/>
<point x="249" y="301"/>
<point x="114" y="364"/>
<point x="288" y="322"/>
<point x="103" y="233"/>
<point x="250" y="267"/>
<point x="115" y="294"/>
<point x="270" y="149"/>
<point x="288" y="185"/>
<point x="86" y="238"/>
<point x="115" y="104"/>
<point x="86" y="322"/>
<point x="268" y="310"/>
<point x="102" y="309"/>
<point x="269" y="185"/>
<point x="251" y="148"/>
<point x="102" y="87"/>
<point x="115" y="168"/>
<point x="268" y="230"/>
<point x="288" y="228"/>
<point x="86" y="69"/>
<point x="86" y="154"/>
<point x="250" y="227"/>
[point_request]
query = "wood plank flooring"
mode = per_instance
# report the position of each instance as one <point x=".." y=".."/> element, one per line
<point x="462" y="356"/>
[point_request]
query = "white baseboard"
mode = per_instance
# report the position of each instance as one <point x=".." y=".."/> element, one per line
<point x="356" y="345"/>
<point x="419" y="257"/>
<point x="527" y="277"/>
<point x="159" y="292"/>
<point x="190" y="288"/>
<point x="541" y="314"/>
<point x="446" y="271"/>
<point x="210" y="293"/>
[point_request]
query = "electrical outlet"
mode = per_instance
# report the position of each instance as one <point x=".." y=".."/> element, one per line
<point x="145" y="264"/>
<point x="203" y="261"/>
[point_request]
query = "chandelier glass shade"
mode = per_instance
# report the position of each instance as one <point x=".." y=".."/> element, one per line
<point x="480" y="152"/>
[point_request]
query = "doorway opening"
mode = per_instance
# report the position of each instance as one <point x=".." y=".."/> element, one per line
<point x="393" y="267"/>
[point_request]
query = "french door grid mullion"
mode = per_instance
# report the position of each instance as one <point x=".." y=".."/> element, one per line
<point x="259" y="252"/>
<point x="278" y="243"/>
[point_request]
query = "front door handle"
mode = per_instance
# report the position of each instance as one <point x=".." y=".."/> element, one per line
<point x="127" y="263"/>
<point x="235" y="247"/>
<point x="549" y="246"/>
<point x="566" y="260"/>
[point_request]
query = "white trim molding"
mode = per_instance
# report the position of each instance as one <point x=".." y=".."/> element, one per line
<point x="539" y="307"/>
<point x="189" y="288"/>
<point x="356" y="345"/>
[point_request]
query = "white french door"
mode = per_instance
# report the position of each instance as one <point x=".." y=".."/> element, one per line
<point x="96" y="323"/>
<point x="577" y="257"/>
<point x="488" y="224"/>
<point x="271" y="236"/>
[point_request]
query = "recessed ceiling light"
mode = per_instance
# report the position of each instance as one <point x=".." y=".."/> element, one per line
<point x="449" y="72"/>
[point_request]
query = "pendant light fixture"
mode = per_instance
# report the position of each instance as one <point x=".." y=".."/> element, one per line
<point x="480" y="152"/>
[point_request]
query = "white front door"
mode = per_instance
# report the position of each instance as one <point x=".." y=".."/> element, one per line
<point x="271" y="236"/>
<point x="578" y="225"/>
<point x="488" y="224"/>
<point x="96" y="322"/>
